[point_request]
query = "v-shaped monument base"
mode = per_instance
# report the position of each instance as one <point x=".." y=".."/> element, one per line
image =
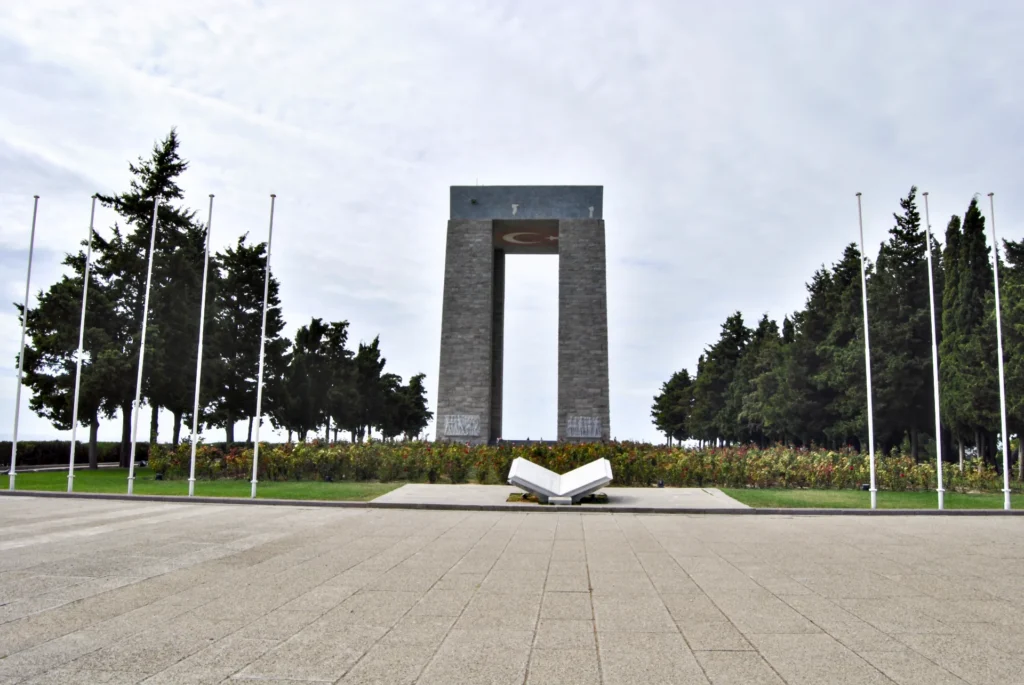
<point x="546" y="484"/>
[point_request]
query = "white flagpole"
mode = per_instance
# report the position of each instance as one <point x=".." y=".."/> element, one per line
<point x="935" y="356"/>
<point x="263" y="344"/>
<point x="81" y="352"/>
<point x="199" y="355"/>
<point x="21" y="355"/>
<point x="142" y="348"/>
<point x="867" y="358"/>
<point x="999" y="344"/>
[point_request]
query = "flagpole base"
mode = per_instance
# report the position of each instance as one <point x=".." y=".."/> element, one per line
<point x="131" y="483"/>
<point x="942" y="498"/>
<point x="253" y="495"/>
<point x="191" y="487"/>
<point x="874" y="499"/>
<point x="1006" y="498"/>
<point x="71" y="483"/>
<point x="10" y="483"/>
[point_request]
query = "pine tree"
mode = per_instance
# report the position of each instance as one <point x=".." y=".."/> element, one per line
<point x="51" y="348"/>
<point x="235" y="340"/>
<point x="780" y="387"/>
<point x="755" y="360"/>
<point x="953" y="395"/>
<point x="412" y="403"/>
<point x="842" y="372"/>
<point x="812" y="397"/>
<point x="121" y="265"/>
<point x="715" y="416"/>
<point x="342" y="399"/>
<point x="702" y="410"/>
<point x="369" y="372"/>
<point x="671" y="409"/>
<point x="900" y="331"/>
<point x="1011" y="291"/>
<point x="306" y="386"/>
<point x="977" y="352"/>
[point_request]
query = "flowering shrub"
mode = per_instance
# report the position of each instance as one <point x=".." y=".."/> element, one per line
<point x="633" y="464"/>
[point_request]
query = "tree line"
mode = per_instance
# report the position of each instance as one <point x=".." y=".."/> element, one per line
<point x="312" y="383"/>
<point x="804" y="383"/>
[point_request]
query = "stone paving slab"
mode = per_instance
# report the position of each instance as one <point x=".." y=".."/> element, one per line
<point x="101" y="591"/>
<point x="470" y="494"/>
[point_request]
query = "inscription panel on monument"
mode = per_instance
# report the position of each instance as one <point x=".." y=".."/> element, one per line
<point x="583" y="427"/>
<point x="463" y="425"/>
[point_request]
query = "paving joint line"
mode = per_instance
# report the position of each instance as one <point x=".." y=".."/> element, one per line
<point x="802" y="615"/>
<point x="540" y="609"/>
<point x="728" y="618"/>
<point x="476" y="591"/>
<point x="407" y="611"/>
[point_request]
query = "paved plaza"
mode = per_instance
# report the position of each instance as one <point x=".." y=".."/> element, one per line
<point x="95" y="591"/>
<point x="474" y="495"/>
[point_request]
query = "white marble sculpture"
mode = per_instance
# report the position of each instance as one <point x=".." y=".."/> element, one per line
<point x="566" y="488"/>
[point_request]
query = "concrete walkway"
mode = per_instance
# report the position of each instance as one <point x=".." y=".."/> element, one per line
<point x="497" y="495"/>
<point x="141" y="592"/>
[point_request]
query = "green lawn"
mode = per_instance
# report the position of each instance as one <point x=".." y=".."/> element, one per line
<point x="857" y="499"/>
<point x="116" y="481"/>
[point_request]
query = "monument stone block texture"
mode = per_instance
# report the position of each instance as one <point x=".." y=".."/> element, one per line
<point x="467" y="322"/>
<point x="582" y="331"/>
<point x="486" y="224"/>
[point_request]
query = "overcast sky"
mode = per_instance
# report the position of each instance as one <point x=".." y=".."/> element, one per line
<point x="729" y="137"/>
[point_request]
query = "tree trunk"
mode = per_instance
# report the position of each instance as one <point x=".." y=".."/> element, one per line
<point x="154" y="425"/>
<point x="1020" y="456"/>
<point x="978" y="437"/>
<point x="248" y="438"/>
<point x="176" y="438"/>
<point x="960" y="443"/>
<point x="327" y="431"/>
<point x="335" y="432"/>
<point x="947" y="442"/>
<point x="289" y="437"/>
<point x="126" y="435"/>
<point x="352" y="431"/>
<point x="94" y="430"/>
<point x="229" y="430"/>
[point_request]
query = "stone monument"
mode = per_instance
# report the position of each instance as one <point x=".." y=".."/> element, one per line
<point x="486" y="224"/>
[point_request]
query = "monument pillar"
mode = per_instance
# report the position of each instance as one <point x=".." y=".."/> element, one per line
<point x="467" y="324"/>
<point x="583" y="411"/>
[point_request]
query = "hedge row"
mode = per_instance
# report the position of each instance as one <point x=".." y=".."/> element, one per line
<point x="48" y="452"/>
<point x="55" y="452"/>
<point x="633" y="464"/>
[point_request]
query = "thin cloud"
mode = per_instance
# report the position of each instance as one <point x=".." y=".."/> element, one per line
<point x="729" y="138"/>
